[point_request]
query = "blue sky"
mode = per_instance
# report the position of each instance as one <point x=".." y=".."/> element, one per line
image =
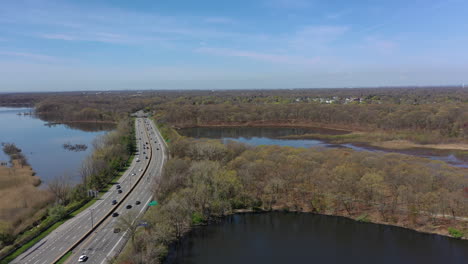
<point x="54" y="45"/>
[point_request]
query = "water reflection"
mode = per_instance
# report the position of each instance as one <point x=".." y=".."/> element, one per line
<point x="256" y="136"/>
<point x="43" y="144"/>
<point x="306" y="238"/>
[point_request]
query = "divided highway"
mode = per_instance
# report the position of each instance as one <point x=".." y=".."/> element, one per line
<point x="88" y="231"/>
<point x="104" y="244"/>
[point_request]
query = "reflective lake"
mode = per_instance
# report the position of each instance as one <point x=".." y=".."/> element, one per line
<point x="269" y="136"/>
<point x="42" y="143"/>
<point x="279" y="237"/>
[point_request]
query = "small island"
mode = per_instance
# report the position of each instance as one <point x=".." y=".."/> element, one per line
<point x="75" y="147"/>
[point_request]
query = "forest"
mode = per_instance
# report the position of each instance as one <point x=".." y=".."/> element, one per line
<point x="206" y="179"/>
<point x="421" y="115"/>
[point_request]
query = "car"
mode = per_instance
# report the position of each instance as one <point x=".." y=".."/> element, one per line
<point x="129" y="206"/>
<point x="116" y="230"/>
<point x="119" y="191"/>
<point x="137" y="202"/>
<point x="144" y="152"/>
<point x="114" y="202"/>
<point x="140" y="170"/>
<point x="83" y="258"/>
<point x="157" y="148"/>
<point x="137" y="160"/>
<point x="118" y="186"/>
<point x="115" y="214"/>
<point x="133" y="174"/>
<point x="146" y="157"/>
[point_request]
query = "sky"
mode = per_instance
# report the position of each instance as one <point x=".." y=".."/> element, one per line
<point x="60" y="45"/>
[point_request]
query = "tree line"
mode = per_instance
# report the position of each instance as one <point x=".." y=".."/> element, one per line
<point x="205" y="179"/>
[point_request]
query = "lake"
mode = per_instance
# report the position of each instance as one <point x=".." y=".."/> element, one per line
<point x="42" y="142"/>
<point x="256" y="136"/>
<point x="279" y="237"/>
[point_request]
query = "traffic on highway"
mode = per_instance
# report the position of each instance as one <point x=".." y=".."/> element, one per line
<point x="91" y="236"/>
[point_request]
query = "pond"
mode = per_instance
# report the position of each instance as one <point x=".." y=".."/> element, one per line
<point x="270" y="136"/>
<point x="42" y="142"/>
<point x="280" y="237"/>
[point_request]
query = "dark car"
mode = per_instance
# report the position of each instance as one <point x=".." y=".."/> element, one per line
<point x="146" y="157"/>
<point x="129" y="206"/>
<point x="114" y="202"/>
<point x="118" y="186"/>
<point x="115" y="214"/>
<point x="116" y="230"/>
<point x="119" y="191"/>
<point x="137" y="202"/>
<point x="157" y="148"/>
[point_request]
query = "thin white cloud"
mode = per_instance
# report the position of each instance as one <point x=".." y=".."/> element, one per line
<point x="33" y="56"/>
<point x="289" y="4"/>
<point x="219" y="20"/>
<point x="276" y="58"/>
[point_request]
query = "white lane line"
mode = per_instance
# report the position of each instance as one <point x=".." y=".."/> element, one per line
<point x="116" y="244"/>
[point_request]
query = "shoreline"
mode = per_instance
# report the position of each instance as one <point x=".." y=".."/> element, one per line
<point x="419" y="230"/>
<point x="349" y="136"/>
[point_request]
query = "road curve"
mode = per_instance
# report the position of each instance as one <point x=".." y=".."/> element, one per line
<point x="104" y="244"/>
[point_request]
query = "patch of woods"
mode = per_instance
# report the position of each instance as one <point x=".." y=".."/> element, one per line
<point x="206" y="179"/>
<point x="75" y="147"/>
<point x="428" y="123"/>
<point x="423" y="115"/>
<point x="30" y="210"/>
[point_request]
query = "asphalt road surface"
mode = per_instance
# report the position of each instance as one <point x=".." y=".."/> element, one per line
<point x="104" y="244"/>
<point x="77" y="229"/>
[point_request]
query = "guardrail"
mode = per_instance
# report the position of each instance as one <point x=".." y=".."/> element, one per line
<point x="112" y="210"/>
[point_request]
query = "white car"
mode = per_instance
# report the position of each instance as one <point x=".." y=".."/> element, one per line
<point x="83" y="258"/>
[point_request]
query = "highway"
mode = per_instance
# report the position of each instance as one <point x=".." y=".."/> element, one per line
<point x="104" y="244"/>
<point x="68" y="235"/>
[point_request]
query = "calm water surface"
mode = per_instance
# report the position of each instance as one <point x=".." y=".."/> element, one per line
<point x="307" y="238"/>
<point x="269" y="136"/>
<point x="42" y="143"/>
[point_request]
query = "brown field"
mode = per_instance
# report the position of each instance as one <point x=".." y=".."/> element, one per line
<point x="21" y="201"/>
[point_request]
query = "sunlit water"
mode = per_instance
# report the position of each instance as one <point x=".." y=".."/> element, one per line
<point x="257" y="136"/>
<point x="278" y="238"/>
<point x="42" y="144"/>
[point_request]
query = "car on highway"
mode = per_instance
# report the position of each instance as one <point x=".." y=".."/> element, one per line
<point x="140" y="170"/>
<point x="133" y="174"/>
<point x="146" y="157"/>
<point x="157" y="148"/>
<point x="119" y="191"/>
<point x="116" y="230"/>
<point x="137" y="202"/>
<point x="118" y="186"/>
<point x="114" y="202"/>
<point x="83" y="258"/>
<point x="115" y="214"/>
<point x="129" y="206"/>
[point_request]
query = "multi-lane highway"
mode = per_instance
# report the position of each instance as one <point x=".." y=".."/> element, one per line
<point x="104" y="244"/>
<point x="90" y="226"/>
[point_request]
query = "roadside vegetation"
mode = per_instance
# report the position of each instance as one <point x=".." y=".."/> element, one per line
<point x="206" y="179"/>
<point x="60" y="200"/>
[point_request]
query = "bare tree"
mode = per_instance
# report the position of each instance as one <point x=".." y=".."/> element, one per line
<point x="61" y="187"/>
